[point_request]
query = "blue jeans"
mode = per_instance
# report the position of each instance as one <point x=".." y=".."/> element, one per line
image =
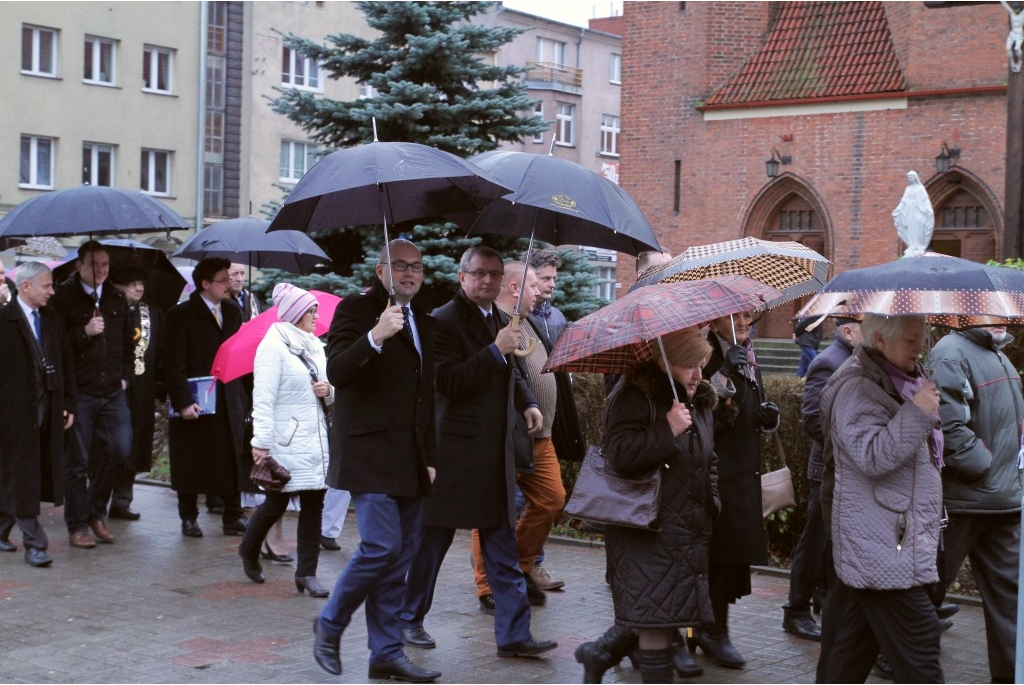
<point x="98" y="449"/>
<point x="807" y="355"/>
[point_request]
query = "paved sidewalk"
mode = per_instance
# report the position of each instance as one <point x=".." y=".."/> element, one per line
<point x="156" y="607"/>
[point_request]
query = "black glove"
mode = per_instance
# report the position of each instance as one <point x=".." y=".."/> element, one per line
<point x="735" y="358"/>
<point x="768" y="416"/>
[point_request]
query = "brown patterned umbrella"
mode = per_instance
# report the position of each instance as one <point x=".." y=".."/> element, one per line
<point x="787" y="266"/>
<point x="623" y="333"/>
<point x="948" y="291"/>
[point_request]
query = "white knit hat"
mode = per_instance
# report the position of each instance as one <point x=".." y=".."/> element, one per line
<point x="292" y="302"/>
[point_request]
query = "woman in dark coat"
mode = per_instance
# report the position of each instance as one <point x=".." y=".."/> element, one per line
<point x="741" y="416"/>
<point x="660" y="579"/>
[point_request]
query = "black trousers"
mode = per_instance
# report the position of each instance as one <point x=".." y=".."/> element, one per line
<point x="307" y="548"/>
<point x="188" y="506"/>
<point x="807" y="570"/>
<point x="32" y="533"/>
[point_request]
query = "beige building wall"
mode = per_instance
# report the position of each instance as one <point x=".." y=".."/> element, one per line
<point x="73" y="112"/>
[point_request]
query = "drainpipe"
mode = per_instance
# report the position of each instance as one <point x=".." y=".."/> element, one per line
<point x="201" y="119"/>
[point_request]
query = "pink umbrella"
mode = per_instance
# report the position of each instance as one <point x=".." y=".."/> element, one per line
<point x="237" y="355"/>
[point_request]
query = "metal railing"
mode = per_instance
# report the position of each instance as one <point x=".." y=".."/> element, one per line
<point x="549" y="72"/>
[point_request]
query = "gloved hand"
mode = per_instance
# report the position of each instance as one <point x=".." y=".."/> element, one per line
<point x="735" y="358"/>
<point x="768" y="416"/>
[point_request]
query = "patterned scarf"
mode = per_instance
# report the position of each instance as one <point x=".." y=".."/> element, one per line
<point x="907" y="386"/>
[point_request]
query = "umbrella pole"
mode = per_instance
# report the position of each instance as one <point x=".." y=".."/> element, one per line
<point x="522" y="286"/>
<point x="387" y="243"/>
<point x="732" y="323"/>
<point x="668" y="370"/>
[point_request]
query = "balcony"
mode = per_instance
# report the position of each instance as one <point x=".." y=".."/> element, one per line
<point x="552" y="76"/>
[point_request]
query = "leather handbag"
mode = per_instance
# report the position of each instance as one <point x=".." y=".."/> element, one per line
<point x="602" y="494"/>
<point x="777" y="486"/>
<point x="270" y="475"/>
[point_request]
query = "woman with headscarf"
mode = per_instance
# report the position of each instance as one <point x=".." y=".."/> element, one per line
<point x="289" y="406"/>
<point x="659" y="579"/>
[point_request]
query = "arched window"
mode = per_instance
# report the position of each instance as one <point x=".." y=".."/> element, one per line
<point x="964" y="227"/>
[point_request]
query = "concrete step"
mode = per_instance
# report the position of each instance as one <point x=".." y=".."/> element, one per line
<point x="777" y="355"/>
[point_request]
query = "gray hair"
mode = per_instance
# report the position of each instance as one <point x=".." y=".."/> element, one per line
<point x="890" y="327"/>
<point x="478" y="251"/>
<point x="29" y="271"/>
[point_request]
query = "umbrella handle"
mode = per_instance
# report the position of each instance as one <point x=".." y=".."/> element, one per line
<point x="529" y="348"/>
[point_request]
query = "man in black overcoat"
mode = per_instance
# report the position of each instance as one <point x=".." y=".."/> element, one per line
<point x="204" y="447"/>
<point x="478" y="389"/>
<point x="37" y="368"/>
<point x="380" y="360"/>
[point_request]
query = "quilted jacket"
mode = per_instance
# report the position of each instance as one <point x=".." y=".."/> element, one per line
<point x="887" y="500"/>
<point x="660" y="579"/>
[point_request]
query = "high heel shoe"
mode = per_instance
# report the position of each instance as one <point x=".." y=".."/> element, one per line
<point x="311" y="585"/>
<point x="270" y="555"/>
<point x="252" y="568"/>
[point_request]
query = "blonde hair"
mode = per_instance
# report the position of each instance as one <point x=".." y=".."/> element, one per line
<point x="687" y="347"/>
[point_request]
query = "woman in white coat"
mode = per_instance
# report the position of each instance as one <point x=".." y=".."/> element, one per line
<point x="289" y="405"/>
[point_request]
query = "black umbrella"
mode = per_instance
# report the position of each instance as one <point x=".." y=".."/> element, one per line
<point x="164" y="283"/>
<point x="90" y="210"/>
<point x="246" y="241"/>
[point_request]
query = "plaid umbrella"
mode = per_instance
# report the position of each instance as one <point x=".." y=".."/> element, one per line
<point x="623" y="333"/>
<point x="948" y="291"/>
<point x="787" y="266"/>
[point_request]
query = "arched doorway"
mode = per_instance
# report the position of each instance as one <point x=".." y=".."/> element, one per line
<point x="967" y="218"/>
<point x="788" y="209"/>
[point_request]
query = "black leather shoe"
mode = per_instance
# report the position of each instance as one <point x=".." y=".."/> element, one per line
<point x="37" y="557"/>
<point x="236" y="527"/>
<point x="404" y="670"/>
<point x="7" y="546"/>
<point x="124" y="513"/>
<point x="271" y="555"/>
<point x="418" y="637"/>
<point x="527" y="648"/>
<point x="326" y="650"/>
<point x="329" y="543"/>
<point x="799" y="622"/>
<point x="487" y="604"/>
<point x="718" y="648"/>
<point x="534" y="595"/>
<point x="945" y="624"/>
<point x="944" y="611"/>
<point x="253" y="569"/>
<point x="191" y="529"/>
<point x="311" y="585"/>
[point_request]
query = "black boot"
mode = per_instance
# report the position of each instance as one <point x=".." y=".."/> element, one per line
<point x="799" y="622"/>
<point x="655" y="665"/>
<point x="604" y="652"/>
<point x="682" y="658"/>
<point x="714" y="642"/>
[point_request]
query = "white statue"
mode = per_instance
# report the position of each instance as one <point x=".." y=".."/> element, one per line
<point x="914" y="217"/>
<point x="1015" y="37"/>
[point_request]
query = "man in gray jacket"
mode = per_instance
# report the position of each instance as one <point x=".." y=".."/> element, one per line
<point x="981" y="411"/>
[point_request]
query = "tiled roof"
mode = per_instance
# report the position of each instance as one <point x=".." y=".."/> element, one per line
<point x="818" y="49"/>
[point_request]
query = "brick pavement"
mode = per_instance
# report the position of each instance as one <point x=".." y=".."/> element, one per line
<point x="156" y="607"/>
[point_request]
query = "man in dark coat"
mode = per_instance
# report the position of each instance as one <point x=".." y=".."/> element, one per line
<point x="809" y="340"/>
<point x="478" y="390"/>
<point x="96" y="319"/>
<point x="146" y="322"/>
<point x="380" y="360"/>
<point x="203" y="446"/>
<point x="36" y="366"/>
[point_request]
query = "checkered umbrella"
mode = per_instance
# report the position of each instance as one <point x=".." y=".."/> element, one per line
<point x="948" y="291"/>
<point x="787" y="266"/>
<point x="624" y="333"/>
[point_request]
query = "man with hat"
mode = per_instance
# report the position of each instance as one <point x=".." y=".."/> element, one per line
<point x="146" y="324"/>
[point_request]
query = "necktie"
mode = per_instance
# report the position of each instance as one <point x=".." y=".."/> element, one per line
<point x="216" y="315"/>
<point x="37" y="324"/>
<point x="405" y="318"/>
<point x="489" y="318"/>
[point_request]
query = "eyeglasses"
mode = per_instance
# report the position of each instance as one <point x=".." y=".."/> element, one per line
<point x="481" y="274"/>
<point x="415" y="267"/>
<point x="222" y="281"/>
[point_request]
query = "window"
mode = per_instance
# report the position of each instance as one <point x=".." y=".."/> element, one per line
<point x="100" y="61"/>
<point x="610" y="135"/>
<point x="216" y="81"/>
<point x="155" y="174"/>
<point x="216" y="27"/>
<point x="616" y="69"/>
<point x="604" y="283"/>
<point x="296" y="159"/>
<point x="157" y="70"/>
<point x="213" y="190"/>
<point x="97" y="164"/>
<point x="538" y="111"/>
<point x="38" y="51"/>
<point x="550" y="51"/>
<point x="36" y="167"/>
<point x="299" y="71"/>
<point x="366" y="91"/>
<point x="565" y="114"/>
<point x="214" y="138"/>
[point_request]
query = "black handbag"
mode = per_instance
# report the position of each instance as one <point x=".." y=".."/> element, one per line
<point x="270" y="475"/>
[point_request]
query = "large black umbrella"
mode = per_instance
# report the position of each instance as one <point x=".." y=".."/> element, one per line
<point x="164" y="283"/>
<point x="90" y="210"/>
<point x="246" y="241"/>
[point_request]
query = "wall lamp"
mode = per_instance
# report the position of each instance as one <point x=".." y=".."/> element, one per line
<point x="771" y="166"/>
<point x="946" y="155"/>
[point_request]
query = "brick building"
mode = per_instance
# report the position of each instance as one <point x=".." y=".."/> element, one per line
<point x="849" y="96"/>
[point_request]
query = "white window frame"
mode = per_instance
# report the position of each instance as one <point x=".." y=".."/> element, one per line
<point x="94" y="48"/>
<point x="367" y="92"/>
<point x="565" y="120"/>
<point x="91" y="168"/>
<point x="538" y="111"/>
<point x="604" y="282"/>
<point x="615" y="67"/>
<point x="151" y="161"/>
<point x="151" y="55"/>
<point x="36" y="68"/>
<point x="550" y="47"/>
<point x="311" y="77"/>
<point x="611" y="127"/>
<point x="37" y="163"/>
<point x="293" y="154"/>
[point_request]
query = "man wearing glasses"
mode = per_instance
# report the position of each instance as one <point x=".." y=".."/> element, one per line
<point x="203" y="445"/>
<point x="478" y="389"/>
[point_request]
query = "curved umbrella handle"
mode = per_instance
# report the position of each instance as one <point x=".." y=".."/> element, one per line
<point x="533" y="341"/>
